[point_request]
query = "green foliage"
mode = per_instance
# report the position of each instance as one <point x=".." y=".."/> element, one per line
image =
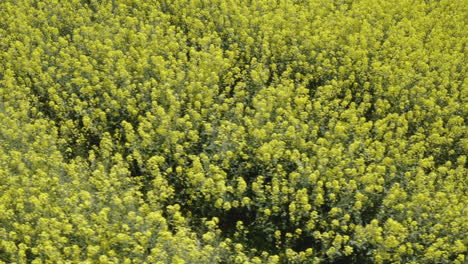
<point x="222" y="131"/>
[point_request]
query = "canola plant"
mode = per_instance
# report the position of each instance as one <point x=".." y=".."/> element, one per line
<point x="233" y="131"/>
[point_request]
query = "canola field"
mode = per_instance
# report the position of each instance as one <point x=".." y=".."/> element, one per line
<point x="233" y="131"/>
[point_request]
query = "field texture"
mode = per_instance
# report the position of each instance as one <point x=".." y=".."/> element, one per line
<point x="233" y="131"/>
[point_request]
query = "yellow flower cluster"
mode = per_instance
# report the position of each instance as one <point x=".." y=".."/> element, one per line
<point x="242" y="132"/>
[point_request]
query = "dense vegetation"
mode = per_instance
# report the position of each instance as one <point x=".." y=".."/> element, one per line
<point x="221" y="131"/>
